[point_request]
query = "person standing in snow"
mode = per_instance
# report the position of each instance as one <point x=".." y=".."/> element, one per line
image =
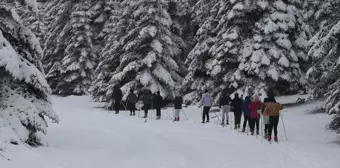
<point x="132" y="100"/>
<point x="273" y="111"/>
<point x="225" y="107"/>
<point x="178" y="105"/>
<point x="255" y="108"/>
<point x="117" y="96"/>
<point x="266" y="123"/>
<point x="147" y="101"/>
<point x="158" y="102"/>
<point x="207" y="102"/>
<point x="246" y="112"/>
<point x="236" y="104"/>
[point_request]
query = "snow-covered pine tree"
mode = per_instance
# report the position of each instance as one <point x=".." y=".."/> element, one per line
<point x="114" y="29"/>
<point x="24" y="92"/>
<point x="110" y="13"/>
<point x="32" y="14"/>
<point x="275" y="53"/>
<point x="234" y="25"/>
<point x="181" y="29"/>
<point x="201" y="11"/>
<point x="69" y="54"/>
<point x="147" y="56"/>
<point x="100" y="12"/>
<point x="204" y="22"/>
<point x="324" y="51"/>
<point x="310" y="8"/>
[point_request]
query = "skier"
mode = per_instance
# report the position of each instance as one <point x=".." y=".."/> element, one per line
<point x="117" y="95"/>
<point x="255" y="107"/>
<point x="273" y="111"/>
<point x="225" y="107"/>
<point x="147" y="101"/>
<point x="158" y="102"/>
<point x="266" y="123"/>
<point x="178" y="105"/>
<point x="246" y="112"/>
<point x="236" y="104"/>
<point x="132" y="100"/>
<point x="207" y="102"/>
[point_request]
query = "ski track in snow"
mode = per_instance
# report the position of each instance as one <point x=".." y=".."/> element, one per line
<point x="90" y="137"/>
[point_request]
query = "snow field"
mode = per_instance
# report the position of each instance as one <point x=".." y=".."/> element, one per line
<point x="90" y="137"/>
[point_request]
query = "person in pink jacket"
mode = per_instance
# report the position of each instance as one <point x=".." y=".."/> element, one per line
<point x="254" y="115"/>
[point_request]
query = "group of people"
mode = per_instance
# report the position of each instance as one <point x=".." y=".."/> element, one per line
<point x="149" y="101"/>
<point x="251" y="108"/>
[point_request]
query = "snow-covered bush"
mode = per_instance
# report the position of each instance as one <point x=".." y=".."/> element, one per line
<point x="24" y="92"/>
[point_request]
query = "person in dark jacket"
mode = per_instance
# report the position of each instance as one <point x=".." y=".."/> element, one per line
<point x="147" y="101"/>
<point x="236" y="104"/>
<point x="178" y="105"/>
<point x="132" y="100"/>
<point x="246" y="112"/>
<point x="117" y="96"/>
<point x="224" y="105"/>
<point x="158" y="102"/>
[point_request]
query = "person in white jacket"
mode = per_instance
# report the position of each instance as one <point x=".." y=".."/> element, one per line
<point x="206" y="102"/>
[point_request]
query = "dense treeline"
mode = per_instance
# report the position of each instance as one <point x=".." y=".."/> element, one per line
<point x="241" y="45"/>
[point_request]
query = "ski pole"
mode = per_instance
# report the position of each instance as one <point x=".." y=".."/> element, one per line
<point x="202" y="111"/>
<point x="262" y="123"/>
<point x="5" y="157"/>
<point x="124" y="105"/>
<point x="218" y="117"/>
<point x="154" y="111"/>
<point x="184" y="114"/>
<point x="151" y="110"/>
<point x="223" y="115"/>
<point x="167" y="114"/>
<point x="231" y="120"/>
<point x="284" y="128"/>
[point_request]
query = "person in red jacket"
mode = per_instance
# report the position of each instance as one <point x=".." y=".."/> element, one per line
<point x="254" y="115"/>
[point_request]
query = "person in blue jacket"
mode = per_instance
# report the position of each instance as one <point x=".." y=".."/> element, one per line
<point x="246" y="112"/>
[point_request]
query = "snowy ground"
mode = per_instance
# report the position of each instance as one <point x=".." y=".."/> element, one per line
<point x="89" y="137"/>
